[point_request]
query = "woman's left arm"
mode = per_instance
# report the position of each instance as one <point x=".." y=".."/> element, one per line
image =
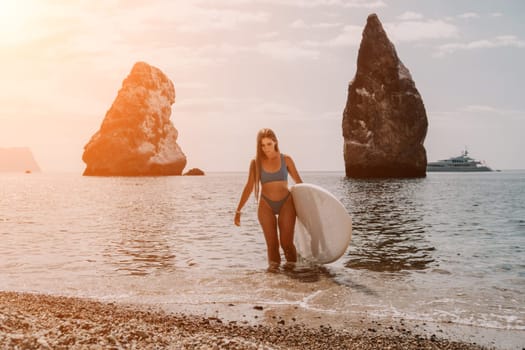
<point x="292" y="169"/>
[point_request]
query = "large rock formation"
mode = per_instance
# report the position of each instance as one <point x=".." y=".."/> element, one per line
<point x="17" y="159"/>
<point x="137" y="137"/>
<point x="384" y="122"/>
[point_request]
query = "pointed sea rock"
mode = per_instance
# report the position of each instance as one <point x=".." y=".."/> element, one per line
<point x="384" y="121"/>
<point x="137" y="137"/>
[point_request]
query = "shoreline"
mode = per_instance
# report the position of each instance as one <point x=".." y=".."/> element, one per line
<point x="46" y="321"/>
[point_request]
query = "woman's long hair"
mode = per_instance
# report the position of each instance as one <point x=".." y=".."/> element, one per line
<point x="260" y="155"/>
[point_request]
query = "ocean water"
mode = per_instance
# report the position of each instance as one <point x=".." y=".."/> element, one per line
<point x="447" y="248"/>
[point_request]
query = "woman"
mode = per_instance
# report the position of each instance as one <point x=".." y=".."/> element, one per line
<point x="269" y="174"/>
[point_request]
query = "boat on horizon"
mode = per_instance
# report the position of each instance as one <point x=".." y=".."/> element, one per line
<point x="459" y="163"/>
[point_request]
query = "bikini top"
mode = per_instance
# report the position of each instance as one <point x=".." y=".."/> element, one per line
<point x="279" y="175"/>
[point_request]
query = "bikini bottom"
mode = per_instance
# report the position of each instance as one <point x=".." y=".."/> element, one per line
<point x="275" y="205"/>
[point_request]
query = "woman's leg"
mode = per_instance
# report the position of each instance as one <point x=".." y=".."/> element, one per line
<point x="286" y="228"/>
<point x="269" y="226"/>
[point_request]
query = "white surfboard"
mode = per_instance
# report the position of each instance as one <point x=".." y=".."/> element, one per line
<point x="323" y="228"/>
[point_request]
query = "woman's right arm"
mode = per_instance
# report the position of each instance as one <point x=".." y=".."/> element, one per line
<point x="248" y="189"/>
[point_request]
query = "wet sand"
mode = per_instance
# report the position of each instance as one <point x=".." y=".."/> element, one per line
<point x="35" y="321"/>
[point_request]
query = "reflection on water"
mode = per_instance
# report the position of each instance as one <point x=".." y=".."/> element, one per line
<point x="388" y="231"/>
<point x="306" y="273"/>
<point x="141" y="243"/>
<point x="140" y="253"/>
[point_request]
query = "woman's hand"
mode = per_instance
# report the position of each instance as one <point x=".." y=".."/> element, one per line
<point x="237" y="219"/>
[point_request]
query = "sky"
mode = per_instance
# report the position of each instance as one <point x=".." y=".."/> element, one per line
<point x="242" y="65"/>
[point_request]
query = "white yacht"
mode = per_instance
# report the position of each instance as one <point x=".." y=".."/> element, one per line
<point x="460" y="163"/>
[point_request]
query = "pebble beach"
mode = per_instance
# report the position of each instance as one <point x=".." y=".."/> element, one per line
<point x="37" y="321"/>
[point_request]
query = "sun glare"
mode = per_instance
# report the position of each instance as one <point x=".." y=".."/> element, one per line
<point x="15" y="18"/>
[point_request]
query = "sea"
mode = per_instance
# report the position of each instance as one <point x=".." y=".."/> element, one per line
<point x="447" y="249"/>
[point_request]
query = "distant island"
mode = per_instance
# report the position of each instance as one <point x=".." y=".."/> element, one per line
<point x="18" y="159"/>
<point x="194" y="172"/>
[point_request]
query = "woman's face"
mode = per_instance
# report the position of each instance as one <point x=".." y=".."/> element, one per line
<point x="268" y="146"/>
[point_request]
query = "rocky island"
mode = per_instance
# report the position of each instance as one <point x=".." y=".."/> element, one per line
<point x="137" y="137"/>
<point x="18" y="159"/>
<point x="194" y="172"/>
<point x="384" y="121"/>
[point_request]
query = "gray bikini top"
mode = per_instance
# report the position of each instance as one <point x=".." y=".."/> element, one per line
<point x="279" y="175"/>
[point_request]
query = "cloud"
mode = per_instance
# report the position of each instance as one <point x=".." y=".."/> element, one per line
<point x="484" y="109"/>
<point x="368" y="4"/>
<point x="469" y="15"/>
<point x="350" y="36"/>
<point x="420" y="30"/>
<point x="353" y="3"/>
<point x="409" y="15"/>
<point x="327" y="25"/>
<point x="406" y="30"/>
<point x="497" y="42"/>
<point x="403" y="31"/>
<point x="204" y="20"/>
<point x="286" y="51"/>
<point x="298" y="24"/>
<point x="475" y="113"/>
<point x="480" y="108"/>
<point x="477" y="116"/>
<point x="228" y="108"/>
<point x="332" y="115"/>
<point x="188" y="32"/>
<point x="269" y="35"/>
